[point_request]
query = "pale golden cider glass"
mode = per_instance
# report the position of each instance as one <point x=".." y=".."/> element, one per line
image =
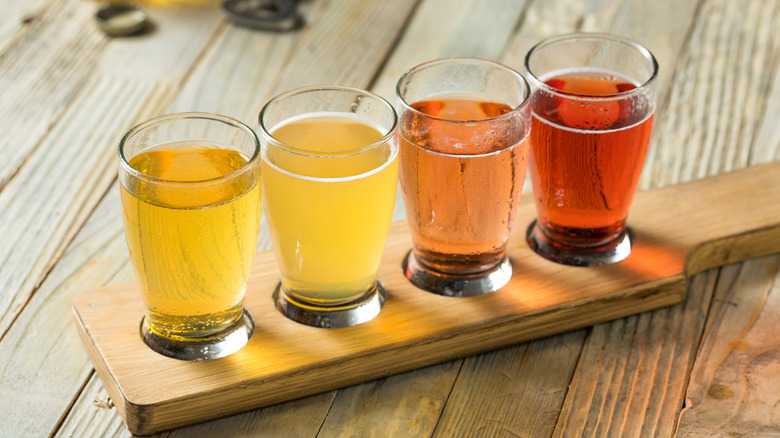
<point x="191" y="196"/>
<point x="330" y="171"/>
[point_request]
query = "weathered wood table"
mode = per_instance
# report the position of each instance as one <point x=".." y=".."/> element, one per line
<point x="709" y="366"/>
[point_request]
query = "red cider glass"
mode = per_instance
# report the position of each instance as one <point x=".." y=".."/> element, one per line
<point x="593" y="106"/>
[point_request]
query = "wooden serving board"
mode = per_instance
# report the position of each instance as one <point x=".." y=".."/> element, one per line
<point x="680" y="230"/>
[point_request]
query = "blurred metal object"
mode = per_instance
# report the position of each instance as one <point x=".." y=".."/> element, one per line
<point x="121" y="19"/>
<point x="273" y="15"/>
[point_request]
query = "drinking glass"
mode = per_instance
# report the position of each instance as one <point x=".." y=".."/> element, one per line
<point x="190" y="191"/>
<point x="330" y="172"/>
<point x="464" y="144"/>
<point x="593" y="105"/>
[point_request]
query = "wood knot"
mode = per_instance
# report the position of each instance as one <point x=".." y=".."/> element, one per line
<point x="720" y="392"/>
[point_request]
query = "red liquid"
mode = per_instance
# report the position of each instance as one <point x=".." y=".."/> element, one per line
<point x="461" y="181"/>
<point x="586" y="158"/>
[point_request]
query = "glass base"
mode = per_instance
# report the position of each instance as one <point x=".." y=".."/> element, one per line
<point x="352" y="313"/>
<point x="606" y="254"/>
<point x="218" y="345"/>
<point x="451" y="285"/>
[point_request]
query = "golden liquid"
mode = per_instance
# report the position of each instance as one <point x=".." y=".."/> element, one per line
<point x="329" y="216"/>
<point x="191" y="244"/>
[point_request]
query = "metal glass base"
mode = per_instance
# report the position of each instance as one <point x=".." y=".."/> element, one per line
<point x="457" y="285"/>
<point x="606" y="254"/>
<point x="218" y="345"/>
<point x="355" y="312"/>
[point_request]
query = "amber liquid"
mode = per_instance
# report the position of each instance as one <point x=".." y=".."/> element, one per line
<point x="461" y="179"/>
<point x="586" y="159"/>
<point x="192" y="246"/>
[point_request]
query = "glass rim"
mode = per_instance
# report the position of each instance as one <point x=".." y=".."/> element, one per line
<point x="123" y="161"/>
<point x="386" y="136"/>
<point x="454" y="60"/>
<point x="592" y="36"/>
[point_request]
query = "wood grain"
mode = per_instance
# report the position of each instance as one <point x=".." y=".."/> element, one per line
<point x="454" y="36"/>
<point x="515" y="391"/>
<point x="41" y="364"/>
<point x="18" y="18"/>
<point x="628" y="366"/>
<point x="766" y="144"/>
<point x="87" y="419"/>
<point x="297" y="418"/>
<point x="734" y="388"/>
<point x="38" y="77"/>
<point x="719" y="84"/>
<point x="347" y="40"/>
<point x="286" y="360"/>
<point x="407" y="404"/>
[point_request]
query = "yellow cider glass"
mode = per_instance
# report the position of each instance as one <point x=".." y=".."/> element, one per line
<point x="330" y="170"/>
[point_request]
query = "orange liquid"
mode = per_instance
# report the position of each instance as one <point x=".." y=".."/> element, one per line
<point x="461" y="182"/>
<point x="586" y="159"/>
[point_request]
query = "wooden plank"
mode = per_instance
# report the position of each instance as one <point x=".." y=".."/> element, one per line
<point x="470" y="30"/>
<point x="547" y="18"/>
<point x="766" y="145"/>
<point x="648" y="23"/>
<point x="734" y="389"/>
<point x="297" y="418"/>
<point x="39" y="74"/>
<point x="404" y="405"/>
<point x="288" y="360"/>
<point x="346" y="45"/>
<point x="631" y="373"/>
<point x="516" y="391"/>
<point x="89" y="419"/>
<point x="182" y="31"/>
<point x="42" y="364"/>
<point x="236" y="75"/>
<point x="663" y="33"/>
<point x="719" y="87"/>
<point x="18" y="17"/>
